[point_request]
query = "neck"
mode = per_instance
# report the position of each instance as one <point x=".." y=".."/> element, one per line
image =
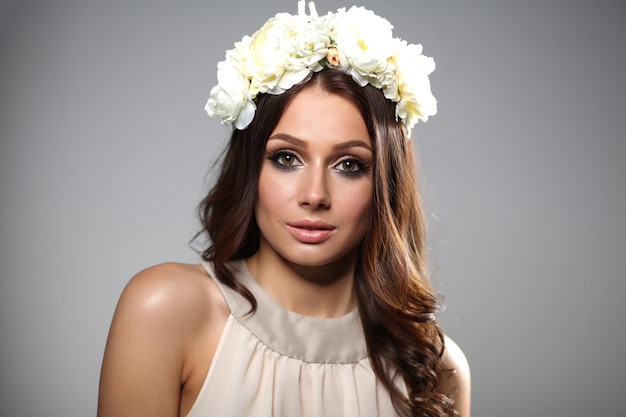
<point x="325" y="291"/>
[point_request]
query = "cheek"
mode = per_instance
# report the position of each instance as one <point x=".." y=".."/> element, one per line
<point x="273" y="192"/>
<point x="358" y="201"/>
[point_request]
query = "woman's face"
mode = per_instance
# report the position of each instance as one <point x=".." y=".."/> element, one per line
<point x="315" y="184"/>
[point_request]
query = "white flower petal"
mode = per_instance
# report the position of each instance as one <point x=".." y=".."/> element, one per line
<point x="246" y="115"/>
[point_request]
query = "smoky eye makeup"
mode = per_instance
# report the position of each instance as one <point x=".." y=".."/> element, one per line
<point x="284" y="159"/>
<point x="352" y="166"/>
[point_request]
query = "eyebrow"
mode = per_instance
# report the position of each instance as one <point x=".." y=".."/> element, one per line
<point x="338" y="147"/>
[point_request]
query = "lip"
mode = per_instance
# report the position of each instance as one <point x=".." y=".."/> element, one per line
<point x="309" y="231"/>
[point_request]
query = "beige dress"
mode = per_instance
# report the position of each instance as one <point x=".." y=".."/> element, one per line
<point x="279" y="363"/>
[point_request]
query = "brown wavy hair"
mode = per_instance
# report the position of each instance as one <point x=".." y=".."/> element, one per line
<point x="398" y="306"/>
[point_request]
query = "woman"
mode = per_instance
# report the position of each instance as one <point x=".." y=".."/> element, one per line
<point x="313" y="297"/>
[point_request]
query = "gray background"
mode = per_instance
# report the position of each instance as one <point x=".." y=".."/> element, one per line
<point x="105" y="150"/>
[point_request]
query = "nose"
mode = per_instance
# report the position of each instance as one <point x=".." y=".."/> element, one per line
<point x="314" y="188"/>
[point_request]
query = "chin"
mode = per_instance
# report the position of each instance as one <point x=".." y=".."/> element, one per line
<point x="309" y="259"/>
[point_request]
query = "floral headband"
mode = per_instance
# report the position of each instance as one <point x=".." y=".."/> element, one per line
<point x="289" y="48"/>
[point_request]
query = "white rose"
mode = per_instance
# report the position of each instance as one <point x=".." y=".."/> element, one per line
<point x="416" y="99"/>
<point x="307" y="40"/>
<point x="240" y="54"/>
<point x="230" y="99"/>
<point x="267" y="57"/>
<point x="388" y="78"/>
<point x="284" y="52"/>
<point x="364" y="42"/>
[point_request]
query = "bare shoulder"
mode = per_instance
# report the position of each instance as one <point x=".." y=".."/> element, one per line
<point x="456" y="382"/>
<point x="177" y="304"/>
<point x="167" y="317"/>
<point x="173" y="290"/>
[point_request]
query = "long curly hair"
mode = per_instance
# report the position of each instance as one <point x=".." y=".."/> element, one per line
<point x="398" y="306"/>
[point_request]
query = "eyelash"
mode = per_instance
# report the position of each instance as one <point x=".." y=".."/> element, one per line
<point x="278" y="156"/>
<point x="362" y="167"/>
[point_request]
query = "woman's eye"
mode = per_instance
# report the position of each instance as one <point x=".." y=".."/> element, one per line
<point x="285" y="159"/>
<point x="351" y="167"/>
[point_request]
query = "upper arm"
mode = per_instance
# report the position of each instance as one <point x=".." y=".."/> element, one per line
<point x="456" y="377"/>
<point x="144" y="355"/>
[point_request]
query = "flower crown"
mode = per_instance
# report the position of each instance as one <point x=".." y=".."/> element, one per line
<point x="289" y="48"/>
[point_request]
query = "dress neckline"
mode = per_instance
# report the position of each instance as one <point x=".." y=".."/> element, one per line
<point x="310" y="339"/>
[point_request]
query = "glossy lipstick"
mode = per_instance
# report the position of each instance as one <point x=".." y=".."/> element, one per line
<point x="312" y="232"/>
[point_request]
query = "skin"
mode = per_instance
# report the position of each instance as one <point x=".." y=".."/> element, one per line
<point x="170" y="317"/>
